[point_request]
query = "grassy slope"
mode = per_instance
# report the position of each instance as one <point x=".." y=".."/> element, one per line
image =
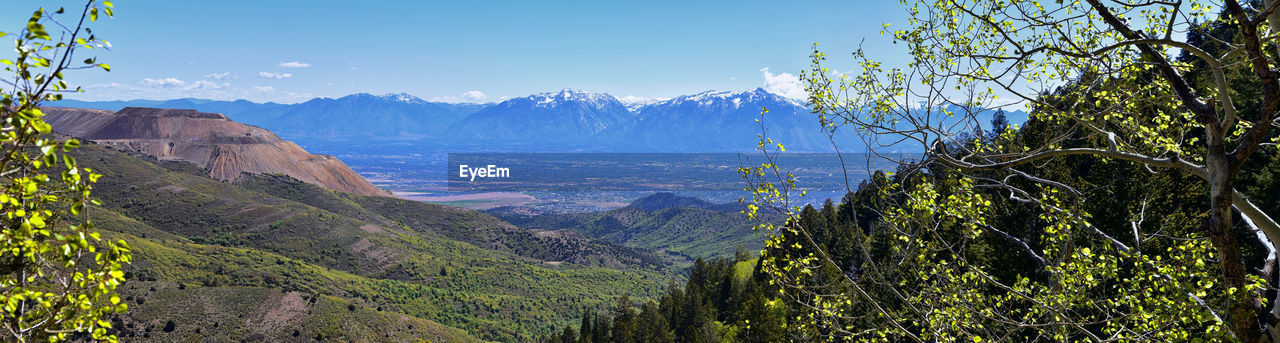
<point x="223" y="294"/>
<point x="269" y="238"/>
<point x="459" y="224"/>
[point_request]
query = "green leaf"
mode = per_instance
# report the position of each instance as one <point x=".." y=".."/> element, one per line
<point x="34" y="29"/>
<point x="70" y="144"/>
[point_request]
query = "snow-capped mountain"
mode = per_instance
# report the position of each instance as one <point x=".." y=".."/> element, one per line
<point x="564" y="116"/>
<point x="721" y="121"/>
<point x="729" y="100"/>
<point x="571" y="97"/>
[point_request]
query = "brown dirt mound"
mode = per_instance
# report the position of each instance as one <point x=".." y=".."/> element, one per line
<point x="225" y="148"/>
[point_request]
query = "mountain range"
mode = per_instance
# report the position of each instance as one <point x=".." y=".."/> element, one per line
<point x="712" y="121"/>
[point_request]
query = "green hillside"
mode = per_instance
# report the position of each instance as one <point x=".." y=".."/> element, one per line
<point x="221" y="257"/>
<point x="681" y="226"/>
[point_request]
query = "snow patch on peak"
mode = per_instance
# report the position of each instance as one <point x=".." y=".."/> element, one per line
<point x="569" y="95"/>
<point x="711" y="98"/>
<point x="403" y="97"/>
<point x="730" y="99"/>
<point x="633" y="102"/>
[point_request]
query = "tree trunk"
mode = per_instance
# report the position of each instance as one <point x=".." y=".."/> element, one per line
<point x="1244" y="306"/>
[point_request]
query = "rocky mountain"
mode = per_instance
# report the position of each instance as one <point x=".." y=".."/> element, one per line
<point x="225" y="148"/>
<point x="567" y="116"/>
<point x="366" y="116"/>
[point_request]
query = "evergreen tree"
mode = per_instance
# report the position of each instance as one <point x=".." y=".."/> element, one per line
<point x="601" y="328"/>
<point x="999" y="123"/>
<point x="568" y="335"/>
<point x="652" y="325"/>
<point x="588" y="317"/>
<point x="672" y="305"/>
<point x="624" y="321"/>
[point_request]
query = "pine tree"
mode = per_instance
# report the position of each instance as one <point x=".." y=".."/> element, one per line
<point x="624" y="320"/>
<point x="999" y="123"/>
<point x="652" y="325"/>
<point x="588" y="316"/>
<point x="568" y="336"/>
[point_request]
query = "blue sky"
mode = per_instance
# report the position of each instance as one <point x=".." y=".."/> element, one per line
<point x="290" y="51"/>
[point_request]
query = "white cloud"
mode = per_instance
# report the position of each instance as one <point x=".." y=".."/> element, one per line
<point x="268" y="75"/>
<point x="294" y="64"/>
<point x="165" y="82"/>
<point x="108" y="86"/>
<point x="784" y="84"/>
<point x="467" y="97"/>
<point x="219" y="76"/>
<point x="476" y="96"/>
<point x="205" y="85"/>
<point x="264" y="88"/>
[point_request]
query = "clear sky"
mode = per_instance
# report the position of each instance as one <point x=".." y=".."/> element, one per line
<point x="290" y="51"/>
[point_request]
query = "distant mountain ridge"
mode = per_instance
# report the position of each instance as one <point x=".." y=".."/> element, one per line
<point x="666" y="200"/>
<point x="565" y="120"/>
<point x="357" y="116"/>
<point x="366" y="116"/>
<point x="225" y="148"/>
<point x="243" y="111"/>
